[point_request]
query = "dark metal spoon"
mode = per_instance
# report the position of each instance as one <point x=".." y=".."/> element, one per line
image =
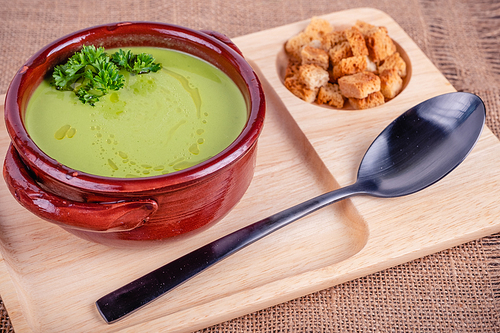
<point x="416" y="150"/>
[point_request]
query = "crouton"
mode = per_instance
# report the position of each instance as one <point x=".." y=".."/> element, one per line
<point x="295" y="44"/>
<point x="292" y="67"/>
<point x="317" y="28"/>
<point x="379" y="44"/>
<point x="316" y="44"/>
<point x="394" y="61"/>
<point x="299" y="89"/>
<point x="314" y="56"/>
<point x="390" y="83"/>
<point x="339" y="52"/>
<point x="313" y="76"/>
<point x="359" y="85"/>
<point x="333" y="38"/>
<point x="330" y="94"/>
<point x="370" y="65"/>
<point x="335" y="73"/>
<point x="348" y="66"/>
<point x="363" y="27"/>
<point x="371" y="101"/>
<point x="356" y="41"/>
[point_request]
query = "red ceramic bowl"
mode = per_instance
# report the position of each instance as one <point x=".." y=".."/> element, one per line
<point x="114" y="210"/>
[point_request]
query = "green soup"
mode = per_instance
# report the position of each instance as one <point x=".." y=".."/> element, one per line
<point x="158" y="123"/>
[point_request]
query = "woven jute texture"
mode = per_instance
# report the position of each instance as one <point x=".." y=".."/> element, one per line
<point x="457" y="290"/>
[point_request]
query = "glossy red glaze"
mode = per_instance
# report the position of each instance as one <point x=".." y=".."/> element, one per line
<point x="110" y="210"/>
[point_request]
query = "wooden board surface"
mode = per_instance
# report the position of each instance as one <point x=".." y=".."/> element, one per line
<point x="49" y="279"/>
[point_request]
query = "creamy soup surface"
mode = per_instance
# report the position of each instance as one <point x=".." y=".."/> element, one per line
<point x="158" y="123"/>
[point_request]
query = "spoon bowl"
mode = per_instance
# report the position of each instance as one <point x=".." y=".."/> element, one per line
<point x="416" y="150"/>
<point x="422" y="145"/>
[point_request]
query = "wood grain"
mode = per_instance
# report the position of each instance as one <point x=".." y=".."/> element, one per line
<point x="49" y="279"/>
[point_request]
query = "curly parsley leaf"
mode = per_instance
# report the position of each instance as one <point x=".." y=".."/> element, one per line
<point x="145" y="63"/>
<point x="135" y="63"/>
<point x="122" y="59"/>
<point x="107" y="77"/>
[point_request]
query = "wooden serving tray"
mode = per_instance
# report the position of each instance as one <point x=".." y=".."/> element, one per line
<point x="49" y="279"/>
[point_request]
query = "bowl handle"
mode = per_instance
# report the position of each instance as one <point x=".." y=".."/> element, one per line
<point x="121" y="215"/>
<point x="223" y="38"/>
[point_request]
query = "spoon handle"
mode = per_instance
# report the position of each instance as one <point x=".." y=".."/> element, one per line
<point x="147" y="288"/>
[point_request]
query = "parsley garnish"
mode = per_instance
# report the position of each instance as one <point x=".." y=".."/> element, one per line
<point x="92" y="73"/>
<point x="135" y="63"/>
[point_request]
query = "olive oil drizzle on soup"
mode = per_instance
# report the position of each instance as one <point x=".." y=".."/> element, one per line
<point x="156" y="124"/>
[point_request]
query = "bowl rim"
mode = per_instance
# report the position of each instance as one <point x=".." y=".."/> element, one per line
<point x="41" y="163"/>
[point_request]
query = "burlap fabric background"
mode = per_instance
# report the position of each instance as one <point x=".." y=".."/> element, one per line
<point x="457" y="290"/>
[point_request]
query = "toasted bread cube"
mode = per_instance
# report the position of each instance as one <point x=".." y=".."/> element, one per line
<point x="335" y="73"/>
<point x="391" y="83"/>
<point x="370" y="65"/>
<point x="394" y="61"/>
<point x="316" y="44"/>
<point x="339" y="52"/>
<point x="295" y="44"/>
<point x="317" y="28"/>
<point x="370" y="101"/>
<point x="313" y="76"/>
<point x="292" y="68"/>
<point x="348" y="66"/>
<point x="363" y="27"/>
<point x="315" y="56"/>
<point x="359" y="85"/>
<point x="333" y="38"/>
<point x="356" y="41"/>
<point x="330" y="94"/>
<point x="379" y="44"/>
<point x="300" y="90"/>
